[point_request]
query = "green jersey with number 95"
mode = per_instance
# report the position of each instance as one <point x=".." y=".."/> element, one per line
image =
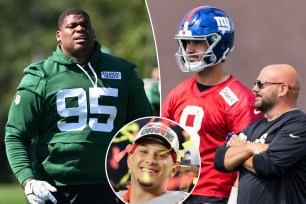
<point x="70" y="113"/>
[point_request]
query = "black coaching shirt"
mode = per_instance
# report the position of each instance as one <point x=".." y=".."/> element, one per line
<point x="281" y="169"/>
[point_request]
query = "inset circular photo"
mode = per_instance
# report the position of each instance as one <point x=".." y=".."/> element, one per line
<point x="152" y="160"/>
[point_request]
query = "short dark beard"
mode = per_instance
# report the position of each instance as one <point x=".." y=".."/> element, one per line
<point x="267" y="103"/>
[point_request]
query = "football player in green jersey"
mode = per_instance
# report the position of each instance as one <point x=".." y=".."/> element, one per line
<point x="66" y="111"/>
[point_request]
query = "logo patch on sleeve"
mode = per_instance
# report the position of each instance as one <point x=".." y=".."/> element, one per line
<point x="229" y="96"/>
<point x="111" y="75"/>
<point x="17" y="99"/>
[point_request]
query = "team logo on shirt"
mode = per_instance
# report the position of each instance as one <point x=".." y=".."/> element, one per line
<point x="111" y="75"/>
<point x="229" y="96"/>
<point x="256" y="111"/>
<point x="293" y="136"/>
<point x="262" y="139"/>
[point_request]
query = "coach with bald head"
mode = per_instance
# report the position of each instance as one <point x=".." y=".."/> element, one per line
<point x="272" y="161"/>
<point x="282" y="81"/>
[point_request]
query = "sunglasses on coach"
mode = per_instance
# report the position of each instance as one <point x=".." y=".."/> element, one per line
<point x="263" y="84"/>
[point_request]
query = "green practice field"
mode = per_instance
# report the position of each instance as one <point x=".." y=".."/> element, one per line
<point x="12" y="194"/>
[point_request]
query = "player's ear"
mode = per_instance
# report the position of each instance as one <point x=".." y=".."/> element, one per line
<point x="129" y="160"/>
<point x="94" y="33"/>
<point x="174" y="170"/>
<point x="58" y="36"/>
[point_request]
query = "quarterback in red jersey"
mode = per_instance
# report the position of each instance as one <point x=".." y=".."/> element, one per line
<point x="212" y="103"/>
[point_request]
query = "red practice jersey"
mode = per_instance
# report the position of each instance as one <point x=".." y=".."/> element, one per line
<point x="209" y="116"/>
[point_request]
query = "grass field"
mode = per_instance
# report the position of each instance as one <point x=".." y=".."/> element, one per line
<point x="12" y="194"/>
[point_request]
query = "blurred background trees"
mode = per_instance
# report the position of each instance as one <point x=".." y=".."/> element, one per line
<point x="27" y="34"/>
